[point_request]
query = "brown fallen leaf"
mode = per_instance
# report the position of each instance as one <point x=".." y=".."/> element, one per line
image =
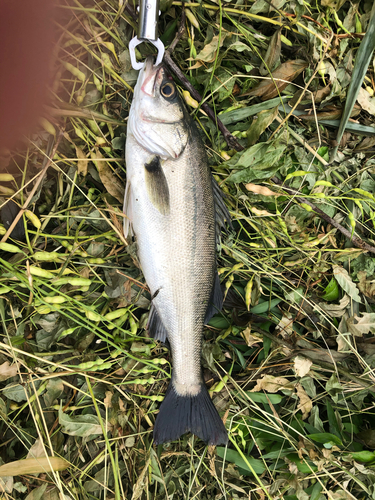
<point x="272" y="55"/>
<point x="329" y="113"/>
<point x="33" y="466"/>
<point x="287" y="72"/>
<point x="7" y="370"/>
<point x="112" y="183"/>
<point x="272" y="384"/>
<point x="305" y="403"/>
<point x="309" y="97"/>
<point x="302" y="366"/>
<point x="82" y="162"/>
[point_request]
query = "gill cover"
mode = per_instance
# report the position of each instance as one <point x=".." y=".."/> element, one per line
<point x="157" y="115"/>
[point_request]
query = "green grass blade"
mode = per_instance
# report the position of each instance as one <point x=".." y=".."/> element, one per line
<point x="361" y="64"/>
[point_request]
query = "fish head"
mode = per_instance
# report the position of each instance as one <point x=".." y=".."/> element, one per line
<point x="158" y="118"/>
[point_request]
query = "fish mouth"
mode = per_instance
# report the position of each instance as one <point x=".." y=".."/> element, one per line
<point x="150" y="76"/>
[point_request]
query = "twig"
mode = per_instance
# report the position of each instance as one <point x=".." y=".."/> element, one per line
<point x="230" y="139"/>
<point x="180" y="32"/>
<point x="358" y="242"/>
<point x="42" y="173"/>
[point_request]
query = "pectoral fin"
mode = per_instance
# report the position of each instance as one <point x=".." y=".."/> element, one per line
<point x="157" y="186"/>
<point x="128" y="212"/>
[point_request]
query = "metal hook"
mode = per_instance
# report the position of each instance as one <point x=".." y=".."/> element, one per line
<point x="147" y="31"/>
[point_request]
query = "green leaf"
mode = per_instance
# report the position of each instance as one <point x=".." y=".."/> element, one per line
<point x="259" y="397"/>
<point x="265" y="306"/>
<point x="219" y="322"/>
<point x="305" y="466"/>
<point x="82" y="425"/>
<point x="15" y="392"/>
<point x="37" y="493"/>
<point x="240" y="114"/>
<point x="364" y="456"/>
<point x="361" y="64"/>
<point x="331" y="291"/>
<point x="257" y="162"/>
<point x="325" y="438"/>
<point x="235" y="458"/>
<point x="346" y="283"/>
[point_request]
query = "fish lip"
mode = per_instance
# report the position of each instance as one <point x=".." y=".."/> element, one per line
<point x="150" y="77"/>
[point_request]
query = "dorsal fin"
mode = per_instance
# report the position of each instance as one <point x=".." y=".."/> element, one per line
<point x="215" y="303"/>
<point x="222" y="216"/>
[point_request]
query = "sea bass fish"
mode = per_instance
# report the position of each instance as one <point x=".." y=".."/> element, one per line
<point x="173" y="208"/>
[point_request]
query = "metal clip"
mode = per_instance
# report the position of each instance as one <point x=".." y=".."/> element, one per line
<point x="147" y="31"/>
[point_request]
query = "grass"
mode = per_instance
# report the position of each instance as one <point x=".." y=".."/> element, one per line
<point x="290" y="360"/>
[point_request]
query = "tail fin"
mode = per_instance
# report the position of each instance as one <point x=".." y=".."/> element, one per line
<point x="195" y="414"/>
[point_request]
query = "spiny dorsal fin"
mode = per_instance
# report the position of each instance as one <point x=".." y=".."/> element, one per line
<point x="157" y="186"/>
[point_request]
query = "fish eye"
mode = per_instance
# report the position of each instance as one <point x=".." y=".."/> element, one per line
<point x="168" y="90"/>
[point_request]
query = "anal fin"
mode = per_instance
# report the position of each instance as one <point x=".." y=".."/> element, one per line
<point x="155" y="326"/>
<point x="215" y="303"/>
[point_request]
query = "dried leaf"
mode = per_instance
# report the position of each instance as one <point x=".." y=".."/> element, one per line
<point x="329" y="113"/>
<point x="82" y="162"/>
<point x="367" y="287"/>
<point x="37" y="450"/>
<point x="272" y="384"/>
<point x="7" y="370"/>
<point x="110" y="181"/>
<point x="251" y="338"/>
<point x="309" y="97"/>
<point x="208" y="54"/>
<point x="302" y="366"/>
<point x="285" y="325"/>
<point x="365" y="324"/>
<point x="272" y="55"/>
<point x="305" y="403"/>
<point x="336" y="310"/>
<point x="288" y="72"/>
<point x="139" y="486"/>
<point x="33" y="466"/>
<point x="366" y="101"/>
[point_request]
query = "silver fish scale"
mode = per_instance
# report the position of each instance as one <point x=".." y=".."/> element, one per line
<point x="177" y="251"/>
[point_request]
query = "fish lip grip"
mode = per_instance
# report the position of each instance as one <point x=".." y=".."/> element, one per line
<point x="136" y="41"/>
<point x="148" y="11"/>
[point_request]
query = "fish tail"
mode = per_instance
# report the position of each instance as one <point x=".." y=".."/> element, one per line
<point x="196" y="414"/>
